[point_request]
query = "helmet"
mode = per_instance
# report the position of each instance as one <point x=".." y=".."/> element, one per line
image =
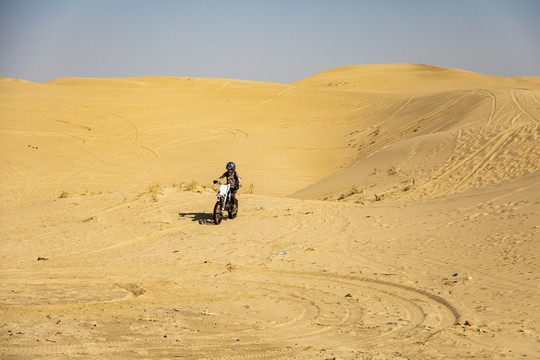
<point x="231" y="166"/>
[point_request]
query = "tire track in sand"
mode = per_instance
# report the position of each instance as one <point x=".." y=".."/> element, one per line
<point x="526" y="108"/>
<point x="267" y="308"/>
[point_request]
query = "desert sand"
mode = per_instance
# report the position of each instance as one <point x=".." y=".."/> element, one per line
<point x="387" y="212"/>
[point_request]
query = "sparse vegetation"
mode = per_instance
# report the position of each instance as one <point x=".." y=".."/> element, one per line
<point x="63" y="195"/>
<point x="154" y="191"/>
<point x="192" y="186"/>
<point x="354" y="191"/>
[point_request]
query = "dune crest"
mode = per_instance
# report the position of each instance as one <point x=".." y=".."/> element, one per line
<point x="409" y="78"/>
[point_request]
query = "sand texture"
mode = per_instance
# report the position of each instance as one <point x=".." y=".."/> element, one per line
<point x="387" y="212"/>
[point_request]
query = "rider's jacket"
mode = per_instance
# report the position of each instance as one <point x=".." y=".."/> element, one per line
<point x="232" y="179"/>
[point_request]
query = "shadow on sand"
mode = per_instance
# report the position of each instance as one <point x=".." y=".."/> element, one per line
<point x="201" y="218"/>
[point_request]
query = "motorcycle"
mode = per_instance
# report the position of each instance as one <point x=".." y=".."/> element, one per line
<point x="224" y="203"/>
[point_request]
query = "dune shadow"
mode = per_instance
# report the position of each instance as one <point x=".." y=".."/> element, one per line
<point x="201" y="218"/>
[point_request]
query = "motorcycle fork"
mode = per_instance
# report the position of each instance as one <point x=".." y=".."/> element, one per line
<point x="222" y="206"/>
<point x="226" y="205"/>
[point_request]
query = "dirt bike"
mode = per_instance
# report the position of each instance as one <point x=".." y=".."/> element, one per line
<point x="224" y="202"/>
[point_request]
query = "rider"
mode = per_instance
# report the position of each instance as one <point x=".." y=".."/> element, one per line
<point x="232" y="178"/>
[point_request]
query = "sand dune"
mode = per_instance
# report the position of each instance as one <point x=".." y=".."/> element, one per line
<point x="388" y="211"/>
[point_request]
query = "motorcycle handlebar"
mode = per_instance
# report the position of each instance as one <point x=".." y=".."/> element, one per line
<point x="217" y="182"/>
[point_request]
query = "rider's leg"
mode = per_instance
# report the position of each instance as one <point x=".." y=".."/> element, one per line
<point x="233" y="197"/>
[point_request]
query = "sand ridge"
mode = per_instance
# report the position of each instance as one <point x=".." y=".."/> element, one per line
<point x="388" y="211"/>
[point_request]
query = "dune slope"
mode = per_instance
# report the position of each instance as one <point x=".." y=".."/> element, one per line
<point x="387" y="211"/>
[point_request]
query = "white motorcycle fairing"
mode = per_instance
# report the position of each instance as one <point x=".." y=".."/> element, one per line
<point x="224" y="190"/>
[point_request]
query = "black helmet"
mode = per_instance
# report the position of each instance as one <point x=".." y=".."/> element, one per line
<point x="231" y="166"/>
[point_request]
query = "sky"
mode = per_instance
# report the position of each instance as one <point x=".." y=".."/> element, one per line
<point x="277" y="41"/>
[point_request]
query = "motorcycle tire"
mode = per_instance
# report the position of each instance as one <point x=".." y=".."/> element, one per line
<point x="217" y="213"/>
<point x="232" y="215"/>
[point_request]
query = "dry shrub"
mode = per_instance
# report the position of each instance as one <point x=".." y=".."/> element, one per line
<point x="63" y="195"/>
<point x="192" y="186"/>
<point x="354" y="191"/>
<point x="155" y="190"/>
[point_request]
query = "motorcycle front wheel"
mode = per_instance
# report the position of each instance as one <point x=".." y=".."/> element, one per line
<point x="217" y="213"/>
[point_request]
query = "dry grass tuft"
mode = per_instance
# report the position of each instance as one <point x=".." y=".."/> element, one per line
<point x="155" y="190"/>
<point x="63" y="195"/>
<point x="192" y="186"/>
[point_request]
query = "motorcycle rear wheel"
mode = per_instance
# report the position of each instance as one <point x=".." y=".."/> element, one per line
<point x="232" y="214"/>
<point x="217" y="213"/>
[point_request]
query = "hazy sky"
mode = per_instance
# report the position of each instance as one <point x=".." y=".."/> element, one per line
<point x="267" y="40"/>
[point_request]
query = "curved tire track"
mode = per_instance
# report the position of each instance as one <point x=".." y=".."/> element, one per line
<point x="285" y="307"/>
